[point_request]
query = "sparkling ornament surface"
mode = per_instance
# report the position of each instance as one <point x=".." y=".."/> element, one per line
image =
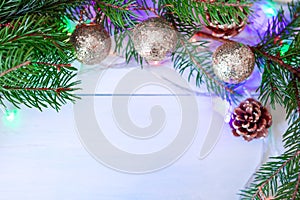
<point x="154" y="38"/>
<point x="92" y="43"/>
<point x="233" y="62"/>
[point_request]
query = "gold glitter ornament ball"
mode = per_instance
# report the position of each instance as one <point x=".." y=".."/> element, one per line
<point x="92" y="43"/>
<point x="154" y="38"/>
<point x="233" y="62"/>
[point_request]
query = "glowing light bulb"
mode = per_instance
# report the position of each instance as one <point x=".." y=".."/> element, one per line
<point x="284" y="49"/>
<point x="154" y="63"/>
<point x="11" y="118"/>
<point x="269" y="9"/>
<point x="193" y="39"/>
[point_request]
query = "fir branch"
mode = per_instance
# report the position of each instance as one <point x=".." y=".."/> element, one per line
<point x="14" y="68"/>
<point x="196" y="11"/>
<point x="118" y="12"/>
<point x="263" y="184"/>
<point x="296" y="190"/>
<point x="294" y="81"/>
<point x="58" y="66"/>
<point x="133" y="6"/>
<point x="280" y="28"/>
<point x="196" y="58"/>
<point x="270" y="175"/>
<point x="124" y="39"/>
<point x="216" y="3"/>
<point x="186" y="30"/>
<point x="57" y="90"/>
<point x="279" y="176"/>
<point x="207" y="74"/>
<point x="13" y="9"/>
<point x="35" y="54"/>
<point x="40" y="88"/>
<point x="278" y="60"/>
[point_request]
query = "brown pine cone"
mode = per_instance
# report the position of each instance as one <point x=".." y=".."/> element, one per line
<point x="250" y="120"/>
<point x="225" y="30"/>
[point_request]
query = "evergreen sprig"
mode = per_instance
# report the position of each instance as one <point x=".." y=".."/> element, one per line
<point x="13" y="9"/>
<point x="280" y="177"/>
<point x="222" y="11"/>
<point x="35" y="65"/>
<point x="195" y="58"/>
<point x="35" y="54"/>
<point x="120" y="14"/>
<point x="278" y="58"/>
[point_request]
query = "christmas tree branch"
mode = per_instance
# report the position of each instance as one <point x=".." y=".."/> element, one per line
<point x="35" y="54"/>
<point x="278" y="60"/>
<point x="58" y="66"/>
<point x="118" y="12"/>
<point x="14" y="68"/>
<point x="297" y="94"/>
<point x="196" y="11"/>
<point x="208" y="75"/>
<point x="272" y="176"/>
<point x="11" y="10"/>
<point x="294" y="197"/>
<point x="133" y="6"/>
<point x="187" y="56"/>
<point x="238" y="4"/>
<point x="57" y="90"/>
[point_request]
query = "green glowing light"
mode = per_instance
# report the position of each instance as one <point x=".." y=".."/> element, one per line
<point x="11" y="118"/>
<point x="284" y="49"/>
<point x="68" y="25"/>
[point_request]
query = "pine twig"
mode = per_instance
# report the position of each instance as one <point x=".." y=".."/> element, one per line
<point x="58" y="66"/>
<point x="279" y="61"/>
<point x="28" y="35"/>
<point x="57" y="90"/>
<point x="296" y="188"/>
<point x="205" y="72"/>
<point x="257" y="193"/>
<point x="297" y="94"/>
<point x="266" y="55"/>
<point x="224" y="3"/>
<point x="15" y="68"/>
<point x="131" y="7"/>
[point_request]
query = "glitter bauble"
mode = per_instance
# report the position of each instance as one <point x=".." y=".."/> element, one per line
<point x="233" y="62"/>
<point x="225" y="30"/>
<point x="154" y="38"/>
<point x="92" y="43"/>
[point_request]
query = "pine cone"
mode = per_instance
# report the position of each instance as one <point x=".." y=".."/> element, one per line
<point x="225" y="30"/>
<point x="250" y="120"/>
